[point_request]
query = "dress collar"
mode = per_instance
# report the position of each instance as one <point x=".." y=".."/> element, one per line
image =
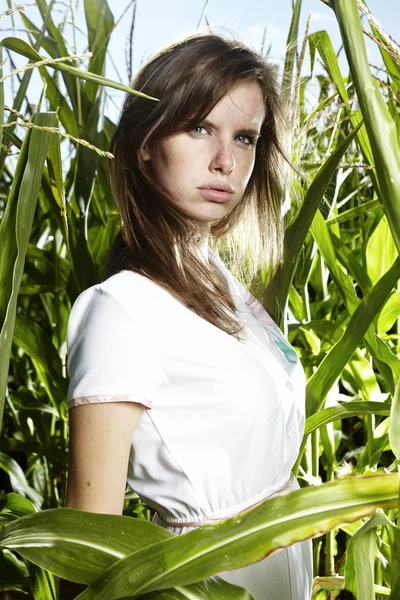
<point x="260" y="328"/>
<point x="244" y="301"/>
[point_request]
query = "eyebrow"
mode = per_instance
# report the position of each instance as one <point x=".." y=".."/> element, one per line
<point x="246" y="130"/>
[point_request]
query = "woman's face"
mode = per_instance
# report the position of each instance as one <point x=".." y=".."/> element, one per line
<point x="218" y="152"/>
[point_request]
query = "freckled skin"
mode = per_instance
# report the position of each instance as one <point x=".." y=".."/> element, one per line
<point x="218" y="151"/>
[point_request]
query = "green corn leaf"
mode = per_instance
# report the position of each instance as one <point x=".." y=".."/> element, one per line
<point x="56" y="181"/>
<point x="394" y="428"/>
<point x="324" y="102"/>
<point x="59" y="103"/>
<point x="13" y="573"/>
<point x="378" y="121"/>
<point x="53" y="454"/>
<point x="197" y="591"/>
<point x="40" y="265"/>
<point x="343" y="282"/>
<point x="87" y="542"/>
<point x="11" y="138"/>
<point x="381" y="251"/>
<point x="54" y="44"/>
<point x="87" y="160"/>
<point x="80" y="556"/>
<point x="391" y="65"/>
<point x="343" y="411"/>
<point x="295" y="234"/>
<point x="29" y="336"/>
<point x="151" y="572"/>
<point x="83" y="272"/>
<point x="354" y="212"/>
<point x="321" y="41"/>
<point x="392" y="106"/>
<point x="17" y="103"/>
<point x="16" y="504"/>
<point x="385" y="360"/>
<point x="352" y="265"/>
<point x="31" y="290"/>
<point x="360" y="559"/>
<point x="291" y="46"/>
<point x="330" y="368"/>
<point x="104" y="241"/>
<point x="42" y="583"/>
<point x="363" y="314"/>
<point x="18" y="479"/>
<point x="326" y="331"/>
<point x="395" y="547"/>
<point x="1" y="97"/>
<point x="389" y="313"/>
<point x="364" y="377"/>
<point x="100" y="24"/>
<point x="21" y="47"/>
<point x="15" y="230"/>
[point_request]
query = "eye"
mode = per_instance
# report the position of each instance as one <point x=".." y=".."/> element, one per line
<point x="247" y="140"/>
<point x="196" y="128"/>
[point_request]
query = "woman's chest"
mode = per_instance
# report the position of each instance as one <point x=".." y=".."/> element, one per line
<point x="204" y="364"/>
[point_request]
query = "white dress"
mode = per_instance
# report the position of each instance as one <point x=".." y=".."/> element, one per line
<point x="224" y="416"/>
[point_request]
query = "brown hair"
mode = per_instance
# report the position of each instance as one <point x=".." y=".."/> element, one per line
<point x="157" y="238"/>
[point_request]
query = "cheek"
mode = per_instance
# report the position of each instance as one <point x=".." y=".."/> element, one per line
<point x="175" y="158"/>
<point x="247" y="169"/>
<point x="176" y="169"/>
<point x="188" y="164"/>
<point x="165" y="165"/>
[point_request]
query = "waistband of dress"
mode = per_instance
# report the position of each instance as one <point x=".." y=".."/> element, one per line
<point x="212" y="521"/>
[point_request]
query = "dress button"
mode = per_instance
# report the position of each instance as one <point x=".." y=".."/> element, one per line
<point x="289" y="385"/>
<point x="291" y="435"/>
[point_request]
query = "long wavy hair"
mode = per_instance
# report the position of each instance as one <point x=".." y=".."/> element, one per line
<point x="158" y="236"/>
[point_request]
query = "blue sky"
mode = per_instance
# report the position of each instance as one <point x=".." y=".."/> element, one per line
<point x="159" y="22"/>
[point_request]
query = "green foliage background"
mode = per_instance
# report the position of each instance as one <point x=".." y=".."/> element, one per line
<point x="339" y="280"/>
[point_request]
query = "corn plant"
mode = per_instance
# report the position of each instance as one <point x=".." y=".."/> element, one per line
<point x="339" y="302"/>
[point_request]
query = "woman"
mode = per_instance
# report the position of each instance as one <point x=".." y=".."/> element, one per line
<point x="180" y="382"/>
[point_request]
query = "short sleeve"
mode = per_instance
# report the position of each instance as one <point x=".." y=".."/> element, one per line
<point x="110" y="356"/>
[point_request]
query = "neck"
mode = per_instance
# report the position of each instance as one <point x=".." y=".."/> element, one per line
<point x="203" y="249"/>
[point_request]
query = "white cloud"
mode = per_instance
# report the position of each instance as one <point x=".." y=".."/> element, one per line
<point x="254" y="35"/>
<point x="318" y="16"/>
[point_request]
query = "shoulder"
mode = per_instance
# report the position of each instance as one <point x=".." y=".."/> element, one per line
<point x="127" y="290"/>
<point x="111" y="349"/>
<point x="110" y="316"/>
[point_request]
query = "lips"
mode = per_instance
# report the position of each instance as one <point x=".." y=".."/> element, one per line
<point x="221" y="187"/>
<point x="216" y="195"/>
<point x="217" y="192"/>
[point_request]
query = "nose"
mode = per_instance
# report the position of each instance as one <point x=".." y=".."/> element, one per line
<point x="223" y="160"/>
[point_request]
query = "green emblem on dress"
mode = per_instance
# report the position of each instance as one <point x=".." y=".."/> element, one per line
<point x="276" y="335"/>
